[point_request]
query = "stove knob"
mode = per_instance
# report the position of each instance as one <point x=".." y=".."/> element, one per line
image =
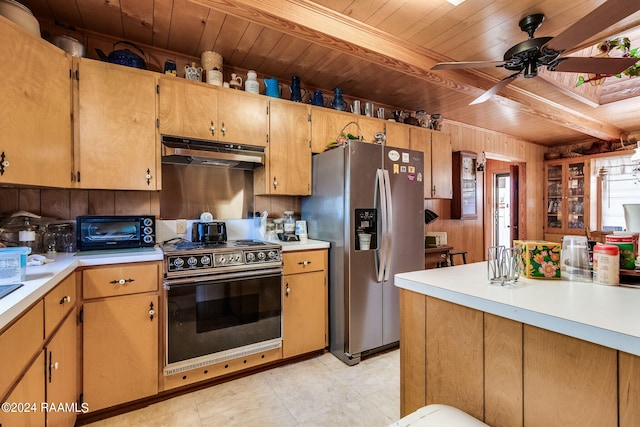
<point x="192" y="261"/>
<point x="250" y="256"/>
<point x="261" y="256"/>
<point x="238" y="258"/>
<point x="271" y="255"/>
<point x="178" y="262"/>
<point x="222" y="259"/>
<point x="205" y="260"/>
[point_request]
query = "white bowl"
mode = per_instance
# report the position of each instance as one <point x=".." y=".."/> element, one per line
<point x="20" y="15"/>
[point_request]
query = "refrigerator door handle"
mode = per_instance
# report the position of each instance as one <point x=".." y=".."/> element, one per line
<point x="380" y="189"/>
<point x="388" y="223"/>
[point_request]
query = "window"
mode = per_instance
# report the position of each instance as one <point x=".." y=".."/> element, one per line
<point x="617" y="182"/>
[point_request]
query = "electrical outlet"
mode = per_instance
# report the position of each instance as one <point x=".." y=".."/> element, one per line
<point x="181" y="226"/>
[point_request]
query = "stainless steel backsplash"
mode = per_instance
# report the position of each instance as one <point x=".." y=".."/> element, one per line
<point x="189" y="190"/>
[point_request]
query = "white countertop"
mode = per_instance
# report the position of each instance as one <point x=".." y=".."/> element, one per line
<point x="309" y="244"/>
<point x="605" y="315"/>
<point x="41" y="279"/>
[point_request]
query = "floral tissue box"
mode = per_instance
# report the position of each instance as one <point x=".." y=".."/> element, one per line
<point x="539" y="259"/>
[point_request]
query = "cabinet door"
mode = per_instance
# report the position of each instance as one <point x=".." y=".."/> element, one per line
<point x="115" y="143"/>
<point x="441" y="165"/>
<point x="566" y="194"/>
<point x="119" y="350"/>
<point x="35" y="114"/>
<point x="304" y="313"/>
<point x="369" y="126"/>
<point x="554" y="197"/>
<point x="421" y="141"/>
<point x="398" y="135"/>
<point x="29" y="392"/>
<point x="243" y="117"/>
<point x="188" y="109"/>
<point x="326" y="125"/>
<point x="61" y="372"/>
<point x="288" y="169"/>
<point x="567" y="381"/>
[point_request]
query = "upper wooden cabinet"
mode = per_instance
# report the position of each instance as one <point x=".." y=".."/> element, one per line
<point x="115" y="127"/>
<point x="436" y="147"/>
<point x="398" y="135"/>
<point x="288" y="166"/>
<point x="326" y="125"/>
<point x="369" y="126"/>
<point x="198" y="110"/>
<point x="35" y="115"/>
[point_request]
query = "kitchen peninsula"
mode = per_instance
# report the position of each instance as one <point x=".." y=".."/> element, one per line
<point x="542" y="352"/>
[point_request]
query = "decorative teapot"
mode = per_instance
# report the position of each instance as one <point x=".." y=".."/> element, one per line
<point x="191" y="72"/>
<point x="273" y="87"/>
<point x="295" y="89"/>
<point x="318" y="98"/>
<point x="338" y="100"/>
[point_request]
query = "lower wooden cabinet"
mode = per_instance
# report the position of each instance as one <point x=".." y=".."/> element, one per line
<point x="510" y="374"/>
<point x="120" y="334"/>
<point x="305" y="302"/>
<point x="25" y="399"/>
<point x="61" y="368"/>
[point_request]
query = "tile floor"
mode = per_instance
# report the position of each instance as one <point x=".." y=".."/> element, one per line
<point x="321" y="391"/>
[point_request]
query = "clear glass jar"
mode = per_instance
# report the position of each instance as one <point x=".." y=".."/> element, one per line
<point x="279" y="225"/>
<point x="289" y="222"/>
<point x="29" y="236"/>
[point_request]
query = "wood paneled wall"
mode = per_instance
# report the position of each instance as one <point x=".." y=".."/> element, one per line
<point x="67" y="204"/>
<point x="468" y="234"/>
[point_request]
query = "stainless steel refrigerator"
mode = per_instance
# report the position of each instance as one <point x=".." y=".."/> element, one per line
<point x="378" y="190"/>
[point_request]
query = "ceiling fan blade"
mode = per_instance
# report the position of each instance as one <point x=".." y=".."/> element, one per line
<point x="468" y="64"/>
<point x="602" y="17"/>
<point x="495" y="89"/>
<point x="575" y="64"/>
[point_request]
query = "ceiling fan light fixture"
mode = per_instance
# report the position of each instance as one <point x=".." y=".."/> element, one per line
<point x="530" y="69"/>
<point x="455" y="2"/>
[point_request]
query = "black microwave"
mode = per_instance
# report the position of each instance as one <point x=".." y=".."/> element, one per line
<point x="115" y="232"/>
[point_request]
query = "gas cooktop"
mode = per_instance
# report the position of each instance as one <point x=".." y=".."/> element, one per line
<point x="185" y="258"/>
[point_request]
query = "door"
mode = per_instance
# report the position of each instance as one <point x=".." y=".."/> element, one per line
<point x="406" y="173"/>
<point x="363" y="292"/>
<point x="502" y="209"/>
<point x="514" y="174"/>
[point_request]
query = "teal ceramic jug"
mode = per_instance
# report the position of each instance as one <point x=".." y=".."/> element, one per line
<point x="273" y="87"/>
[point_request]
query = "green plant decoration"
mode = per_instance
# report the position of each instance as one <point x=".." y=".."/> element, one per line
<point x="604" y="48"/>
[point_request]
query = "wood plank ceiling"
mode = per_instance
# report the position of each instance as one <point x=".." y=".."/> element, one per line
<point x="380" y="50"/>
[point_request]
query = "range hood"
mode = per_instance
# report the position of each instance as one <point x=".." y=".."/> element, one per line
<point x="189" y="151"/>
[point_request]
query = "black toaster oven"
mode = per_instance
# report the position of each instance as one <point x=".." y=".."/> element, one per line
<point x="97" y="232"/>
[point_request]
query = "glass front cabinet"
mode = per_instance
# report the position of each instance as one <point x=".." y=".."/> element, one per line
<point x="566" y="197"/>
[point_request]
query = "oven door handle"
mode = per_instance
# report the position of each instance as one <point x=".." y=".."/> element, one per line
<point x="196" y="280"/>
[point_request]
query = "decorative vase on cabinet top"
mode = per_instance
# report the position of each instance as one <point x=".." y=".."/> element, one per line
<point x="251" y="84"/>
<point x="338" y="100"/>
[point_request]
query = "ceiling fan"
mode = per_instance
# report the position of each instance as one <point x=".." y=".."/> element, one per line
<point x="525" y="57"/>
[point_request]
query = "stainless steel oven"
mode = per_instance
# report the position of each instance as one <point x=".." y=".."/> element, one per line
<point x="222" y="301"/>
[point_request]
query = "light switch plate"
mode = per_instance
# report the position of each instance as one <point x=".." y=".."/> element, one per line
<point x="181" y="226"/>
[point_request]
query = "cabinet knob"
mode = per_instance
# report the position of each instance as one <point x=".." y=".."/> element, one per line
<point x="275" y="183"/>
<point x="121" y="281"/>
<point x="64" y="299"/>
<point x="148" y="176"/>
<point x="54" y="365"/>
<point x="304" y="263"/>
<point x="152" y="312"/>
<point x="287" y="290"/>
<point x="213" y="129"/>
<point x="223" y="129"/>
<point x="3" y="163"/>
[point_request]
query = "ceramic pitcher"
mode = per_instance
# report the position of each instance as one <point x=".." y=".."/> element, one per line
<point x="273" y="87"/>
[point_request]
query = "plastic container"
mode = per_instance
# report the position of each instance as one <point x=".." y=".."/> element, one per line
<point x="13" y="264"/>
<point x="574" y="263"/>
<point x="627" y="245"/>
<point x="606" y="264"/>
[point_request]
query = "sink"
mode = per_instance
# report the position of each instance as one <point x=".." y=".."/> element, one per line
<point x="7" y="289"/>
